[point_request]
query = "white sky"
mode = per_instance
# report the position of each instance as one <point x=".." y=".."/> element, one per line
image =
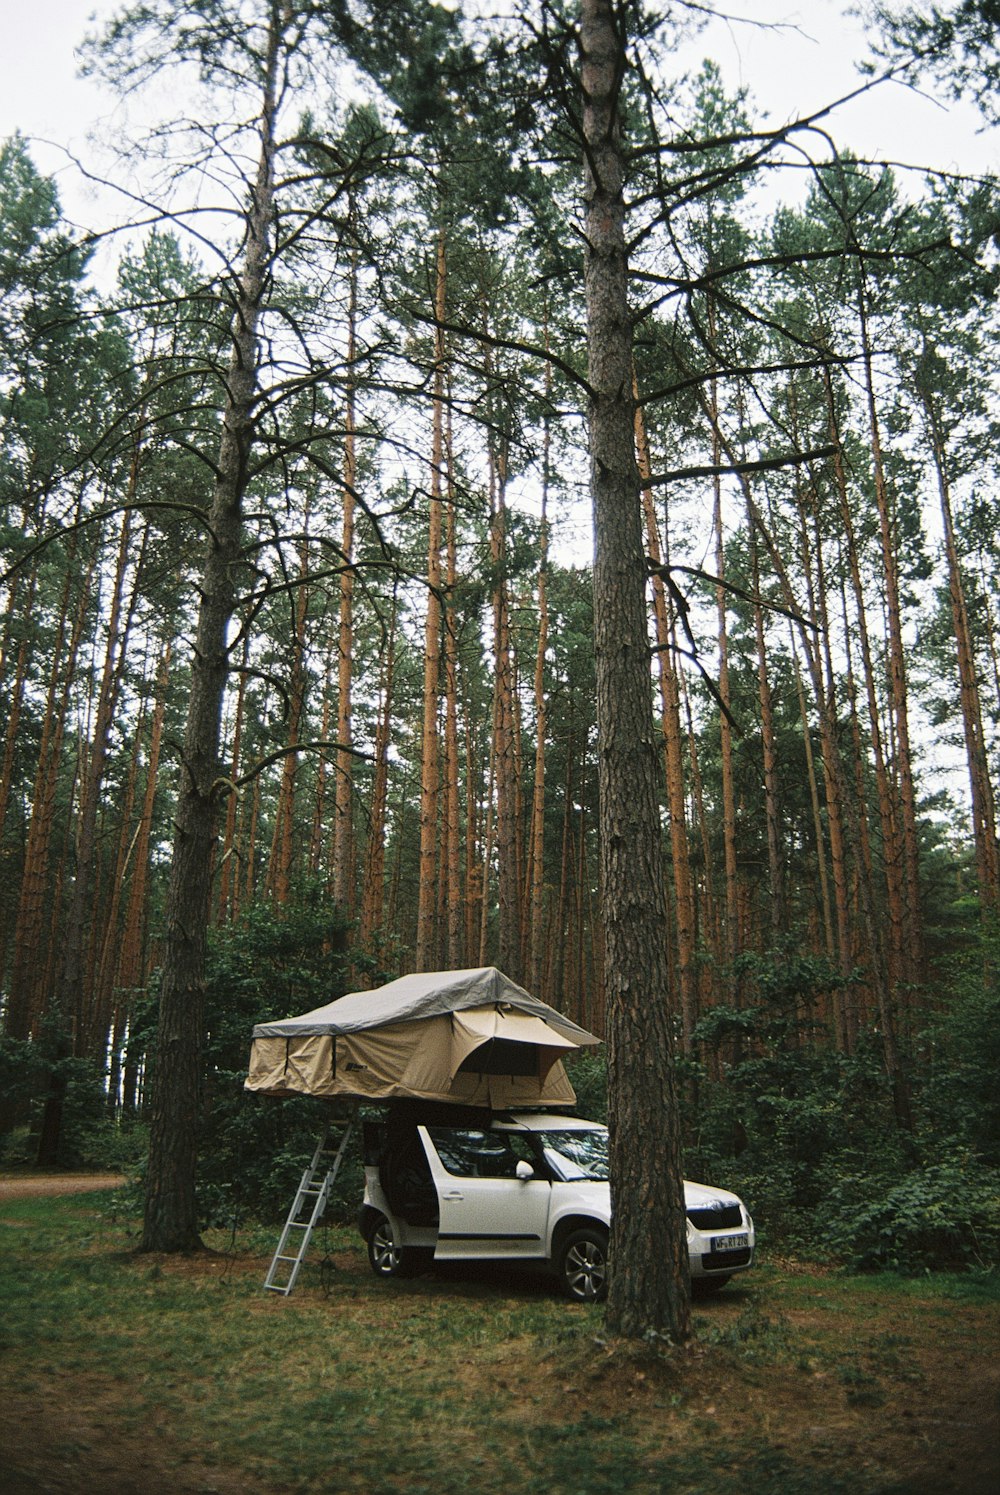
<point x="804" y="64"/>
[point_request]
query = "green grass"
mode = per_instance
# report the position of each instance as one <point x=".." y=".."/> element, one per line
<point x="452" y="1383"/>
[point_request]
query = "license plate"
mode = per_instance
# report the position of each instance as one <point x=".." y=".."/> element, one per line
<point x="730" y="1242"/>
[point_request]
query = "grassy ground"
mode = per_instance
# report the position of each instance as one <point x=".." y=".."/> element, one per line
<point x="129" y="1374"/>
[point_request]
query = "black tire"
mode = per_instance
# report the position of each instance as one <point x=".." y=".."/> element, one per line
<point x="583" y="1265"/>
<point x="386" y="1258"/>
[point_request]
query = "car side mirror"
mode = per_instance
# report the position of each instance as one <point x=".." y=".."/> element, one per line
<point x="524" y="1170"/>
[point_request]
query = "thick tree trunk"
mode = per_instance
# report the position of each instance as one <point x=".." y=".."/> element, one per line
<point x="649" y="1277"/>
<point x="170" y="1220"/>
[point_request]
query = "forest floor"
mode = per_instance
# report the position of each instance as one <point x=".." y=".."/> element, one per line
<point x="136" y="1375"/>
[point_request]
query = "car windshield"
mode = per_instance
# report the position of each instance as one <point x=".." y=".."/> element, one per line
<point x="573" y="1154"/>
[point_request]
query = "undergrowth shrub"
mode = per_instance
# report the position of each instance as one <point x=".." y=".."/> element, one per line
<point x="943" y="1215"/>
<point x="90" y="1136"/>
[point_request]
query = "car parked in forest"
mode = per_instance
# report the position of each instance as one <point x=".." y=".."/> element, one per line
<point x="443" y="1186"/>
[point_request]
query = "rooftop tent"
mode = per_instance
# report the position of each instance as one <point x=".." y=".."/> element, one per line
<point x="472" y="1037"/>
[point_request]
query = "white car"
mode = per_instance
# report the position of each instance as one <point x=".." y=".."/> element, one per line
<point x="445" y="1187"/>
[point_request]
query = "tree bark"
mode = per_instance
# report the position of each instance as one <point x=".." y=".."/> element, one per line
<point x="649" y="1277"/>
<point x="984" y="817"/>
<point x="426" y="954"/>
<point x="170" y="1221"/>
<point x="684" y="904"/>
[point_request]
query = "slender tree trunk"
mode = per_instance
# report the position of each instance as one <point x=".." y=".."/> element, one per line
<point x="130" y="976"/>
<point x="830" y="943"/>
<point x="913" y="962"/>
<point x="452" y="821"/>
<point x="886" y="949"/>
<point x="984" y="817"/>
<point x="649" y="1278"/>
<point x="229" y="882"/>
<point x="505" y="754"/>
<point x="426" y="954"/>
<point x="684" y="903"/>
<point x="343" y="860"/>
<point x="772" y="807"/>
<point x="28" y="989"/>
<point x="284" y="840"/>
<point x="373" y="885"/>
<point x="535" y="954"/>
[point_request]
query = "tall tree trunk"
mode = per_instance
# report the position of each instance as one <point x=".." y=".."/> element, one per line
<point x="534" y="922"/>
<point x="772" y="807"/>
<point x="886" y="950"/>
<point x="130" y="976"/>
<point x="373" y="884"/>
<point x="684" y="904"/>
<point x="913" y="962"/>
<point x="229" y="882"/>
<point x="505" y="749"/>
<point x="284" y="839"/>
<point x="984" y="817"/>
<point x="426" y="954"/>
<point x="74" y="990"/>
<point x="649" y="1278"/>
<point x="28" y="991"/>
<point x="829" y="942"/>
<point x="535" y="953"/>
<point x="453" y="913"/>
<point x="343" y="859"/>
<point x="170" y="1221"/>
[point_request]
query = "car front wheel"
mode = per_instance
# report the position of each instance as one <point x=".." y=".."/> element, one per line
<point x="583" y="1265"/>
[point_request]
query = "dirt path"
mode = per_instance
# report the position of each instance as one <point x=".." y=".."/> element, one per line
<point x="24" y="1185"/>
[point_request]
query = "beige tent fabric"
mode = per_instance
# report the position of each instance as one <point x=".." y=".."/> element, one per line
<point x="411" y="1037"/>
<point x="476" y="1026"/>
<point x="400" y="1059"/>
<point x="293" y="1066"/>
<point x="419" y="1059"/>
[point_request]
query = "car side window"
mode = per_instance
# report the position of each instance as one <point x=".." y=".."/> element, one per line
<point x="469" y="1153"/>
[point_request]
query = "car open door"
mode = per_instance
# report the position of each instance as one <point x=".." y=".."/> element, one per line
<point x="491" y="1201"/>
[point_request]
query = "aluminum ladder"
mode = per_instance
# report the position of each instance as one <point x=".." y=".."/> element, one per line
<point x="308" y="1207"/>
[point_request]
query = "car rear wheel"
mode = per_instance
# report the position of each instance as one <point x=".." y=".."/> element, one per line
<point x="583" y="1265"/>
<point x="386" y="1258"/>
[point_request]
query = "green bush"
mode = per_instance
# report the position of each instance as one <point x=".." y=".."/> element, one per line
<point x="271" y="963"/>
<point x="588" y="1074"/>
<point x="943" y="1215"/>
<point x="89" y="1135"/>
<point x="959" y="1096"/>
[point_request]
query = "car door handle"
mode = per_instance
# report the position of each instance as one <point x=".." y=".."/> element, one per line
<point x="453" y="1194"/>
